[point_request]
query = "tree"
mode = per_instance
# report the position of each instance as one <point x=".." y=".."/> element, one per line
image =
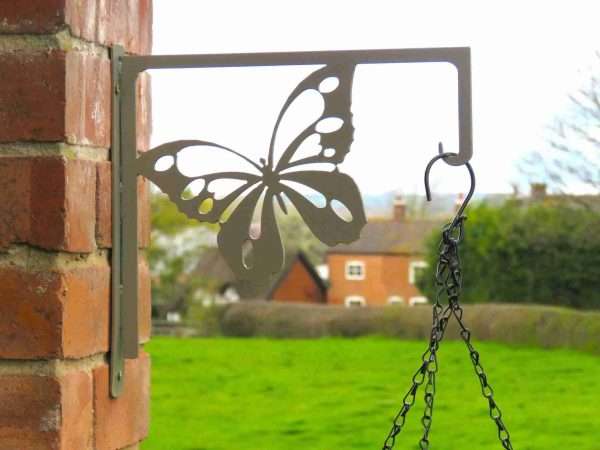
<point x="517" y="253"/>
<point x="176" y="245"/>
<point x="573" y="153"/>
<point x="297" y="236"/>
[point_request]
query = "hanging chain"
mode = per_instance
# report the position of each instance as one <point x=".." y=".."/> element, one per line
<point x="448" y="280"/>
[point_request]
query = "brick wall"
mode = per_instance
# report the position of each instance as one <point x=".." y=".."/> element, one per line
<point x="298" y="286"/>
<point x="385" y="276"/>
<point x="55" y="95"/>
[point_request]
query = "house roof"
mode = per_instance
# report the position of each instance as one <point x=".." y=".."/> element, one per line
<point x="312" y="271"/>
<point x="212" y="266"/>
<point x="390" y="237"/>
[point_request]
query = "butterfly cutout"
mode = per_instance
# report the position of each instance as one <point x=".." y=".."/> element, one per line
<point x="253" y="255"/>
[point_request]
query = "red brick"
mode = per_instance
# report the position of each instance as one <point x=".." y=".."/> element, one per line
<point x="15" y="192"/>
<point x="46" y="413"/>
<point x="31" y="16"/>
<point x="143" y="212"/>
<point x="55" y="96"/>
<point x="62" y="313"/>
<point x="55" y="313"/>
<point x="31" y="318"/>
<point x="71" y="186"/>
<point x="47" y="202"/>
<point x="76" y="431"/>
<point x="88" y="106"/>
<point x="32" y="96"/>
<point x="104" y="208"/>
<point x="123" y="421"/>
<point x="145" y="14"/>
<point x="86" y="309"/>
<point x="124" y="22"/>
<point x="107" y="22"/>
<point x="144" y="111"/>
<point x="103" y="205"/>
<point x="144" y="301"/>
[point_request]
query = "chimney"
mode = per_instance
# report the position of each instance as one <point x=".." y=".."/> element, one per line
<point x="538" y="191"/>
<point x="460" y="198"/>
<point x="399" y="209"/>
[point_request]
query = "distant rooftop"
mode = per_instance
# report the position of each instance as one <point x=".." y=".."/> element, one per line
<point x="390" y="237"/>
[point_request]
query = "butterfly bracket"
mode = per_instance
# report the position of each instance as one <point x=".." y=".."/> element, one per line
<point x="270" y="183"/>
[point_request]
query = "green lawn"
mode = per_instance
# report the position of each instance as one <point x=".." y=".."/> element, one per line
<point x="259" y="394"/>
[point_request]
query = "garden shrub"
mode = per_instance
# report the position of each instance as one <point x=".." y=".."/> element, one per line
<point x="532" y="325"/>
<point x="542" y="253"/>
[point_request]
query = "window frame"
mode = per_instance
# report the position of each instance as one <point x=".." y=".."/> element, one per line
<point x="355" y="298"/>
<point x="355" y="263"/>
<point x="418" y="300"/>
<point x="396" y="300"/>
<point x="412" y="270"/>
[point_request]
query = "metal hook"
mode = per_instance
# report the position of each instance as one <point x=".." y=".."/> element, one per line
<point x="465" y="202"/>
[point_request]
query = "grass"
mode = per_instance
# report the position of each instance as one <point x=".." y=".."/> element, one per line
<point x="260" y="394"/>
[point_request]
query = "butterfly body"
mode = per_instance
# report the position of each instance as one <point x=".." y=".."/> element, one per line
<point x="270" y="178"/>
<point x="256" y="255"/>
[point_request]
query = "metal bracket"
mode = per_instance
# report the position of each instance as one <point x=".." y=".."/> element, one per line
<point x="127" y="166"/>
<point x="117" y="359"/>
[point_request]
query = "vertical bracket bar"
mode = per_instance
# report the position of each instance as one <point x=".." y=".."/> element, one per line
<point x="124" y="307"/>
<point x="129" y="216"/>
<point x="117" y="362"/>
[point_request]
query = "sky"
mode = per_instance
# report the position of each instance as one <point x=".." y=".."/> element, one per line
<point x="527" y="56"/>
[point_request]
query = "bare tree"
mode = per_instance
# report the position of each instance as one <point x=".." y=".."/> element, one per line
<point x="573" y="153"/>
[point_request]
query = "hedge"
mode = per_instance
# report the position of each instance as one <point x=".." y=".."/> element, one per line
<point x="541" y="326"/>
<point x="543" y="253"/>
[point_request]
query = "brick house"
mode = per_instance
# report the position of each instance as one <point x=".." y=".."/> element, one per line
<point x="298" y="282"/>
<point x="382" y="266"/>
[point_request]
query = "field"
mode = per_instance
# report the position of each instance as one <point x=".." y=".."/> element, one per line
<point x="325" y="394"/>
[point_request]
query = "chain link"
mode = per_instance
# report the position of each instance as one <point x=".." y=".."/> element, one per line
<point x="448" y="280"/>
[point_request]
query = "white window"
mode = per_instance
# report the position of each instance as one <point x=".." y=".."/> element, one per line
<point x="395" y="300"/>
<point x="173" y="316"/>
<point x="355" y="270"/>
<point x="414" y="270"/>
<point x="414" y="301"/>
<point x="230" y="295"/>
<point x="354" y="300"/>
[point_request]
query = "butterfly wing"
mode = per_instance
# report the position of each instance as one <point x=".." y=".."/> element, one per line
<point x="252" y="259"/>
<point x="205" y="204"/>
<point x="334" y="84"/>
<point x="341" y="218"/>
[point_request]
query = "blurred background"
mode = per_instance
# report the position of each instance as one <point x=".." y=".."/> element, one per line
<point x="321" y="357"/>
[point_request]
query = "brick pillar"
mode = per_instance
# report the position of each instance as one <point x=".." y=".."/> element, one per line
<point x="55" y="225"/>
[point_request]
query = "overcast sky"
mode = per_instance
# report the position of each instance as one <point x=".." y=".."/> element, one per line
<point x="526" y="56"/>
